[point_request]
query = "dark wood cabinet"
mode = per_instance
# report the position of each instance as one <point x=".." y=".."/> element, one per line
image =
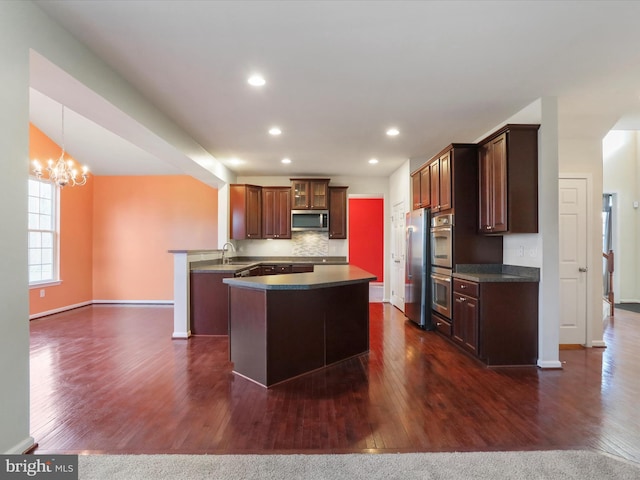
<point x="245" y="205"/>
<point x="309" y="193"/>
<point x="497" y="321"/>
<point x="209" y="303"/>
<point x="421" y="188"/>
<point x="465" y="314"/>
<point x="302" y="268"/>
<point x="440" y="183"/>
<point x="276" y="212"/>
<point x="445" y="182"/>
<point x="508" y="181"/>
<point x="337" y="213"/>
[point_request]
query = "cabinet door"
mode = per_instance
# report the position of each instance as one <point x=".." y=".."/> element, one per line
<point x="245" y="211"/>
<point x="337" y="213"/>
<point x="276" y="212"/>
<point x="485" y="199"/>
<point x="445" y="181"/>
<point x="499" y="182"/>
<point x="269" y="212"/>
<point x="283" y="216"/>
<point x="434" y="168"/>
<point x="254" y="212"/>
<point x="300" y="194"/>
<point x="425" y="187"/>
<point x="319" y="199"/>
<point x="416" y="200"/>
<point x="465" y="322"/>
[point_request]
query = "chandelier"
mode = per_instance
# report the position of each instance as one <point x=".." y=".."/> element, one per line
<point x="61" y="172"/>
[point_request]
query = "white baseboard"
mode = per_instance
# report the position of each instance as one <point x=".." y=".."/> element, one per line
<point x="549" y="364"/>
<point x="91" y="302"/>
<point x="24" y="446"/>
<point x="58" y="310"/>
<point x="376" y="292"/>
<point x="598" y="344"/>
<point x="181" y="335"/>
<point x="136" y="302"/>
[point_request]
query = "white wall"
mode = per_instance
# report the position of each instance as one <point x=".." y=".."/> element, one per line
<point x="26" y="30"/>
<point x="14" y="138"/>
<point x="621" y="176"/>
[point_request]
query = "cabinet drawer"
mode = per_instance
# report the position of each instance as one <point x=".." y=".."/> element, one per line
<point x="465" y="287"/>
<point x="268" y="270"/>
<point x="442" y="325"/>
<point x="301" y="268"/>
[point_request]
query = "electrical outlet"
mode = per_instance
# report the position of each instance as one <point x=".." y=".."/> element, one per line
<point x="533" y="252"/>
<point x="41" y="292"/>
<point x="521" y="251"/>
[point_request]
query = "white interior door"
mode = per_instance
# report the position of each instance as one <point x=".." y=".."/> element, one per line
<point x="573" y="260"/>
<point x="398" y="255"/>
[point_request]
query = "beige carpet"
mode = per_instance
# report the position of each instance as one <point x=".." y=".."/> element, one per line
<point x="556" y="465"/>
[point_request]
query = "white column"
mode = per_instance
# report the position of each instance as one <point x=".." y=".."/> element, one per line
<point x="181" y="311"/>
<point x="549" y="300"/>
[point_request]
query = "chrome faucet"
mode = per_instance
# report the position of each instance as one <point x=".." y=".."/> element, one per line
<point x="225" y="250"/>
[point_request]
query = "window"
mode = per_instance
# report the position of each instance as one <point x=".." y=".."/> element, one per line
<point x="43" y="232"/>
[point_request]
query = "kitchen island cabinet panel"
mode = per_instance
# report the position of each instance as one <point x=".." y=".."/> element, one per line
<point x="347" y="321"/>
<point x="209" y="304"/>
<point x="289" y="325"/>
<point x="295" y="334"/>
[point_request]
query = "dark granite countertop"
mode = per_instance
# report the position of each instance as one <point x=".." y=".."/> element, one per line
<point x="242" y="263"/>
<point x="496" y="273"/>
<point x="323" y="276"/>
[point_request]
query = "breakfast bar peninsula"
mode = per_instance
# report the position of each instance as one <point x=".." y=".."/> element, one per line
<point x="283" y="326"/>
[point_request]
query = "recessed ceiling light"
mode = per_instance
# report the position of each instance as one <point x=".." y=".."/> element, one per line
<point x="275" y="131"/>
<point x="286" y="160"/>
<point x="373" y="161"/>
<point x="392" y="132"/>
<point x="235" y="161"/>
<point x="256" y="80"/>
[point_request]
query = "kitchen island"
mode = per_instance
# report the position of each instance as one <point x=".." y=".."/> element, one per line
<point x="283" y="326"/>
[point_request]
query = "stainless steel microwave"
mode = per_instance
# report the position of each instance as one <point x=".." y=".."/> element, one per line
<point x="302" y="220"/>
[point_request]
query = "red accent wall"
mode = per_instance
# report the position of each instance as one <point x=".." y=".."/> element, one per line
<point x="366" y="235"/>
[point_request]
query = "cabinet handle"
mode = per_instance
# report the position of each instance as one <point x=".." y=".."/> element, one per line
<point x="463" y="286"/>
<point x="438" y="324"/>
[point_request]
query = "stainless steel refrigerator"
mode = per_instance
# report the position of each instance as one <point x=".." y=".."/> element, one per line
<point x="417" y="303"/>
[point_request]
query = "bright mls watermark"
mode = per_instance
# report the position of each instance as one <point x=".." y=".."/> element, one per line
<point x="52" y="467"/>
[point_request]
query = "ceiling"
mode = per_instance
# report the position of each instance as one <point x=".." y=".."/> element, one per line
<point x="338" y="75"/>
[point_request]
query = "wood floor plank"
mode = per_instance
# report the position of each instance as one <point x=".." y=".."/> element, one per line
<point x="109" y="379"/>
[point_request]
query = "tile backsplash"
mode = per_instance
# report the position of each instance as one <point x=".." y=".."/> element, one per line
<point x="310" y="244"/>
<point x="302" y="244"/>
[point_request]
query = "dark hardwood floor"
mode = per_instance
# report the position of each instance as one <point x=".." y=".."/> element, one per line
<point x="109" y="379"/>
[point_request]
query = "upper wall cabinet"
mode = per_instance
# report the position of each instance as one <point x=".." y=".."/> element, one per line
<point x="440" y="176"/>
<point x="421" y="188"/>
<point x="508" y="180"/>
<point x="276" y="212"/>
<point x="337" y="213"/>
<point x="309" y="193"/>
<point x="245" y="205"/>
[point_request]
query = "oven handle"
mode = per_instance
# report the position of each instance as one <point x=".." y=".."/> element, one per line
<point x="442" y="278"/>
<point x="440" y="229"/>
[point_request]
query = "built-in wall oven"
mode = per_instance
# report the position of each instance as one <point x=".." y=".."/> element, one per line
<point x="442" y="241"/>
<point x="441" y="291"/>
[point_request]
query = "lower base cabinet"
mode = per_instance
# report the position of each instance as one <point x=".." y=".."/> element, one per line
<point x="496" y="322"/>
